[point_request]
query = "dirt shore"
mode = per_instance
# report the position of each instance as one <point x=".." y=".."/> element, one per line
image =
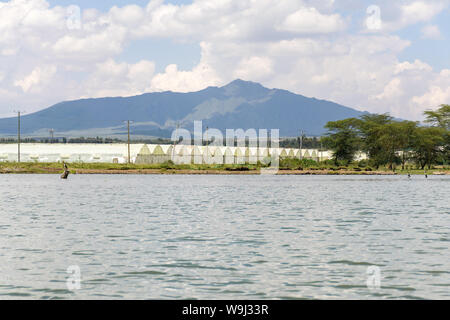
<point x="192" y="172"/>
<point x="206" y="171"/>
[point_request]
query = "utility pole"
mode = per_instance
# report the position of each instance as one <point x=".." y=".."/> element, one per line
<point x="206" y="144"/>
<point x="129" y="156"/>
<point x="321" y="150"/>
<point x="301" y="144"/>
<point x="128" y="130"/>
<point x="18" y="136"/>
<point x="175" y="141"/>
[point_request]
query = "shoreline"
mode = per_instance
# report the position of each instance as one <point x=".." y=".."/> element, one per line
<point x="165" y="169"/>
<point x="216" y="172"/>
<point x="224" y="172"/>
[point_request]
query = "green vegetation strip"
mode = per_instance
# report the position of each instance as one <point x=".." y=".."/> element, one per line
<point x="287" y="166"/>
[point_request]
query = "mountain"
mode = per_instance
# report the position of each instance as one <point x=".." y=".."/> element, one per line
<point x="240" y="104"/>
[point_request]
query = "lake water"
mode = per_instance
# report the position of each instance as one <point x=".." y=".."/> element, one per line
<point x="224" y="237"/>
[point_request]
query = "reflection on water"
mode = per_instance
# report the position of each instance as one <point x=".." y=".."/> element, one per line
<point x="224" y="237"/>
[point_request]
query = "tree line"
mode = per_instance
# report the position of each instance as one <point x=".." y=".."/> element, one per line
<point x="305" y="143"/>
<point x="390" y="142"/>
<point x="97" y="140"/>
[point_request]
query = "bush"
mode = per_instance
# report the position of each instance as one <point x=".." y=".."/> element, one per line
<point x="237" y="169"/>
<point x="294" y="163"/>
<point x="363" y="163"/>
<point x="168" y="165"/>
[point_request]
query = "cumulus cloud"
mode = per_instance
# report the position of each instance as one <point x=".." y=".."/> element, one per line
<point x="417" y="66"/>
<point x="419" y="11"/>
<point x="435" y="96"/>
<point x="254" y="68"/>
<point x="389" y="16"/>
<point x="437" y="93"/>
<point x="391" y="90"/>
<point x="112" y="78"/>
<point x="311" y="21"/>
<point x="431" y="32"/>
<point x="38" y="78"/>
<point x="185" y="81"/>
<point x="414" y="89"/>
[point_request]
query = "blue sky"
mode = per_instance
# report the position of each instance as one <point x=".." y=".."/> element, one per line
<point x="434" y="52"/>
<point x="342" y="50"/>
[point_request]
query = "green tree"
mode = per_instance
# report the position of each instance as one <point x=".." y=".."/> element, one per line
<point x="441" y="119"/>
<point x="427" y="145"/>
<point x="389" y="142"/>
<point x="372" y="128"/>
<point x="397" y="136"/>
<point x="342" y="138"/>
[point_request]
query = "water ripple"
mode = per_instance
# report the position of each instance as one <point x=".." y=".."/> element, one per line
<point x="224" y="237"/>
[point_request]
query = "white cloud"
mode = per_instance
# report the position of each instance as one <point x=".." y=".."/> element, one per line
<point x="438" y="92"/>
<point x="311" y="21"/>
<point x="111" y="78"/>
<point x="231" y="19"/>
<point x="434" y="97"/>
<point x="93" y="46"/>
<point x="185" y="81"/>
<point x="431" y="32"/>
<point x="254" y="68"/>
<point x="417" y="66"/>
<point x="415" y="88"/>
<point x="38" y="78"/>
<point x="131" y="15"/>
<point x="420" y="11"/>
<point x="412" y="12"/>
<point x="391" y="90"/>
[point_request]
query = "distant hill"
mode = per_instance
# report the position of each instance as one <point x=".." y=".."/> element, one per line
<point x="240" y="104"/>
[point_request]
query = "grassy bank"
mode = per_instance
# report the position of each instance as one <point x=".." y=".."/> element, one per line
<point x="295" y="168"/>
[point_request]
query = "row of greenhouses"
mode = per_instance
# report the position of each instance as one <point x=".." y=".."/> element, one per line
<point x="150" y="153"/>
<point x="182" y="154"/>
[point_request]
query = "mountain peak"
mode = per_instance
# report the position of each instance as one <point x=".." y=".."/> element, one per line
<point x="242" y="88"/>
<point x="243" y="83"/>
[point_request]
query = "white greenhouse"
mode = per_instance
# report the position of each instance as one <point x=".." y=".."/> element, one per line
<point x="151" y="153"/>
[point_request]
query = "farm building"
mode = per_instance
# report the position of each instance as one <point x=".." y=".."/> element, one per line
<point x="149" y="154"/>
<point x="58" y="152"/>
